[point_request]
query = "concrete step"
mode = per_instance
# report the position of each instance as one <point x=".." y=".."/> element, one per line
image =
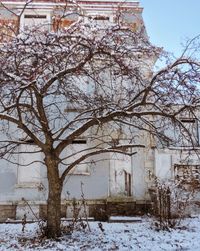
<point x="124" y="219"/>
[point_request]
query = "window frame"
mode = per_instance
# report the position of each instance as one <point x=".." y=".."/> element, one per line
<point x="37" y="14"/>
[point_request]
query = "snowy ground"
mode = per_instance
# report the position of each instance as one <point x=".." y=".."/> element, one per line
<point x="117" y="236"/>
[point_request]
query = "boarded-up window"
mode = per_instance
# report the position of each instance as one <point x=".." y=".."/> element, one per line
<point x="187" y="175"/>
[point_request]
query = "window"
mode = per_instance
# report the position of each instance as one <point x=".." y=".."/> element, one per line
<point x="41" y="20"/>
<point x="29" y="166"/>
<point x="186" y="134"/>
<point x="35" y="17"/>
<point x="101" y="18"/>
<point x="190" y="132"/>
<point x="187" y="175"/>
<point x="77" y="149"/>
<point x="127" y="179"/>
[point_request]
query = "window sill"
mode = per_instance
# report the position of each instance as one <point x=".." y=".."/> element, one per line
<point x="28" y="185"/>
<point x="80" y="173"/>
<point x="184" y="147"/>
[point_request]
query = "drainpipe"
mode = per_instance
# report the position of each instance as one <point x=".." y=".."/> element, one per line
<point x="109" y="177"/>
<point x="132" y="173"/>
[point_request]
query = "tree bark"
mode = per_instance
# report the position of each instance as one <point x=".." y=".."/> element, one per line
<point x="54" y="198"/>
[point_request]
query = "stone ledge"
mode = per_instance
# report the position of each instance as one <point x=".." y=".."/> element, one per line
<point x="34" y="185"/>
<point x="124" y="219"/>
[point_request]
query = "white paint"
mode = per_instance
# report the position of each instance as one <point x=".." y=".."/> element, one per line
<point x="29" y="167"/>
<point x="163" y="165"/>
<point x="139" y="183"/>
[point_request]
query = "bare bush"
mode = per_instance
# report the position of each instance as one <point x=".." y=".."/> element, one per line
<point x="170" y="204"/>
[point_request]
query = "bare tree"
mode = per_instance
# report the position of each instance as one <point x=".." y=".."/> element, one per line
<point x="85" y="82"/>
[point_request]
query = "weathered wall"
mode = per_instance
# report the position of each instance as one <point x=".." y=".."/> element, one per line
<point x="165" y="159"/>
<point x="119" y="164"/>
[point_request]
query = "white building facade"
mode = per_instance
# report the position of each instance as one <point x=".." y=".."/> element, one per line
<point x="109" y="179"/>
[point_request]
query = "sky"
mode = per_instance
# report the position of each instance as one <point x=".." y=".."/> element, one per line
<point x="170" y="22"/>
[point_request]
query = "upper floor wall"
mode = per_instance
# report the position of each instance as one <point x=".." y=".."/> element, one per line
<point x="51" y="15"/>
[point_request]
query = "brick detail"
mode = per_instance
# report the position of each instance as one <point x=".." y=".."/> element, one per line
<point x="115" y="208"/>
<point x="7" y="211"/>
<point x="43" y="211"/>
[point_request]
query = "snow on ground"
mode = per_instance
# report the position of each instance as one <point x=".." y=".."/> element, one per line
<point x="116" y="236"/>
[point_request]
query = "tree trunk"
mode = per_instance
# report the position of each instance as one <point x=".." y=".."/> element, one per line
<point x="54" y="199"/>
